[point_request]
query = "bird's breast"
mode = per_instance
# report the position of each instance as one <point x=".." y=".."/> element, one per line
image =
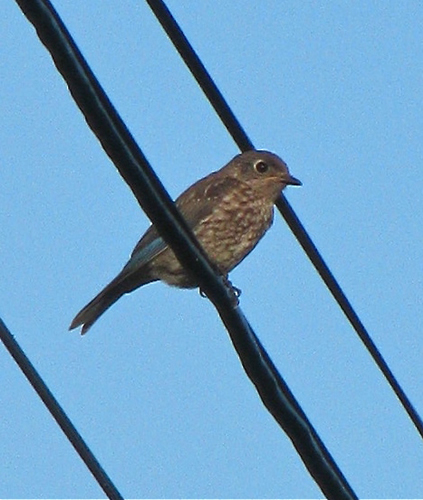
<point x="233" y="229"/>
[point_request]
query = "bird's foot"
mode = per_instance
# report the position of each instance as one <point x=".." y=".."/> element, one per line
<point x="234" y="292"/>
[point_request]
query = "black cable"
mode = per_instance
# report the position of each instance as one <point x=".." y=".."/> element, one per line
<point x="131" y="163"/>
<point x="235" y="129"/>
<point x="58" y="414"/>
<point x="281" y="403"/>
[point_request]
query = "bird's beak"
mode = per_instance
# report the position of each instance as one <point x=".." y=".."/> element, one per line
<point x="292" y="181"/>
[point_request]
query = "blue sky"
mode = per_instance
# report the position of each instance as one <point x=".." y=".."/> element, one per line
<point x="155" y="387"/>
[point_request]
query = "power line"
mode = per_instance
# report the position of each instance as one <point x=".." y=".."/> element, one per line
<point x="216" y="99"/>
<point x="58" y="413"/>
<point x="133" y="166"/>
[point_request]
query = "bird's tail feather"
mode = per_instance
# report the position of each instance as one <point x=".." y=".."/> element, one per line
<point x="108" y="296"/>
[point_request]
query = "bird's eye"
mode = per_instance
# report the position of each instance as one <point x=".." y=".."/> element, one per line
<point x="261" y="167"/>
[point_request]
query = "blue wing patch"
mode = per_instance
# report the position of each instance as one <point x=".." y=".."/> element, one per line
<point x="143" y="255"/>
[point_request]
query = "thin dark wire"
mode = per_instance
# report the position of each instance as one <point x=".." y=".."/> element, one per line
<point x="120" y="146"/>
<point x="200" y="73"/>
<point x="58" y="414"/>
<point x="235" y="129"/>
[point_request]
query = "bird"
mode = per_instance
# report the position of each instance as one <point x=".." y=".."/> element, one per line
<point x="229" y="211"/>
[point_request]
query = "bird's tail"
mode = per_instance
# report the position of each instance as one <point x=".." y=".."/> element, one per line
<point x="108" y="296"/>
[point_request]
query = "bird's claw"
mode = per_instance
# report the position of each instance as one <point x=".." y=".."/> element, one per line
<point x="235" y="292"/>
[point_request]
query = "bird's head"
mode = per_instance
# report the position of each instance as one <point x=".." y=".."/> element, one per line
<point x="263" y="171"/>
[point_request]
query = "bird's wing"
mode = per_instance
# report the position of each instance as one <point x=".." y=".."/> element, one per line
<point x="149" y="246"/>
<point x="196" y="204"/>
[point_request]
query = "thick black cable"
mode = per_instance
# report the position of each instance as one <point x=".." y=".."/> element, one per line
<point x="281" y="403"/>
<point x="131" y="163"/>
<point x="58" y="414"/>
<point x="239" y="135"/>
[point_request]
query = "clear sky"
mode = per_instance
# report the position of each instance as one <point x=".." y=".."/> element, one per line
<point x="155" y="388"/>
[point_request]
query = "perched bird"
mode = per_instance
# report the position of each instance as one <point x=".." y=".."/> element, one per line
<point x="229" y="211"/>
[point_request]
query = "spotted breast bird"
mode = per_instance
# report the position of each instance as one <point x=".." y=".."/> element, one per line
<point x="229" y="211"/>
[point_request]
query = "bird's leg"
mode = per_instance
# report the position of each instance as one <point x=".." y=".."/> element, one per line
<point x="235" y="292"/>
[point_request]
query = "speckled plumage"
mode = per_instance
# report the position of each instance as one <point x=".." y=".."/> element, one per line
<point x="229" y="211"/>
